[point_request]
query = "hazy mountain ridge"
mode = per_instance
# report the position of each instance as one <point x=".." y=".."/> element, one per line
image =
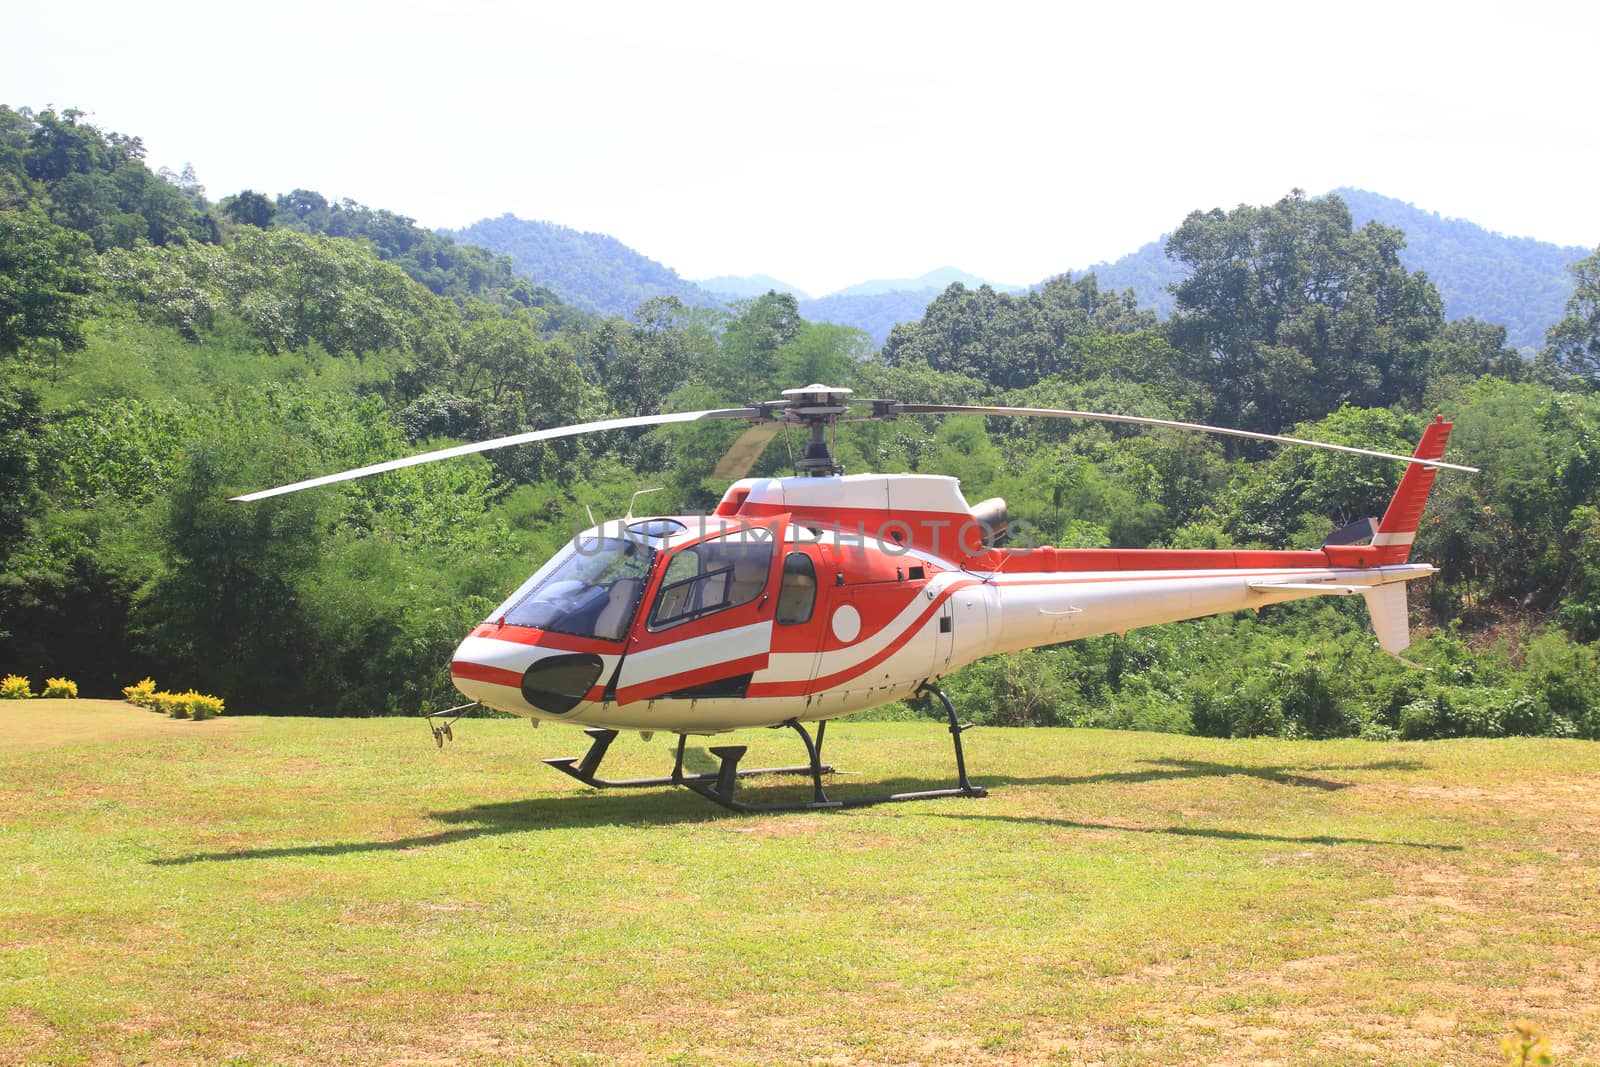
<point x="875" y="313"/>
<point x="1516" y="282"/>
<point x="937" y="281"/>
<point x="742" y="288"/>
<point x="592" y="271"/>
<point x="1147" y="271"/>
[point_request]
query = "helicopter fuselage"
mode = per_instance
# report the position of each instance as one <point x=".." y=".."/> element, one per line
<point x="808" y="598"/>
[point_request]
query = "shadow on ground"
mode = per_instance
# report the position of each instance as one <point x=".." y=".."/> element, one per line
<point x="1157" y="770"/>
<point x="593" y="809"/>
<point x="666" y="807"/>
<point x="1214" y="833"/>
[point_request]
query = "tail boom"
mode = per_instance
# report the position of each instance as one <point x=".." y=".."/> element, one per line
<point x="1083" y="592"/>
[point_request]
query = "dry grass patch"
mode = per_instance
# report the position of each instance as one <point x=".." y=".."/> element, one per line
<point x="29" y="725"/>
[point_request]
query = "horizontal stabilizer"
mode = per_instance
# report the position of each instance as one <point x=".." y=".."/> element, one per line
<point x="1326" y="588"/>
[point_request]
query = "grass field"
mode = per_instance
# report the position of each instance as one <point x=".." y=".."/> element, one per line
<point x="265" y="891"/>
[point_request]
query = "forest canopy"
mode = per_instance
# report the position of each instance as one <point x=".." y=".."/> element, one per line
<point x="161" y="351"/>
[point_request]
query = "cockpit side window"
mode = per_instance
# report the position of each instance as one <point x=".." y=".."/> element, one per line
<point x="710" y="577"/>
<point x="797" y="597"/>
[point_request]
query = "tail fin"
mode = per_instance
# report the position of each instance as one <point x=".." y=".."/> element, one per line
<point x="1390" y="614"/>
<point x="1399" y="526"/>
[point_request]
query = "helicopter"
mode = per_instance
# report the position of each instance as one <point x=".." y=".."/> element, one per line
<point x="804" y="598"/>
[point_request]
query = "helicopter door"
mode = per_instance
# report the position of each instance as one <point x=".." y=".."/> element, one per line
<point x="797" y="638"/>
<point x="709" y="625"/>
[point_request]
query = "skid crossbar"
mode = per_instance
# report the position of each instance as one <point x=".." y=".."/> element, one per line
<point x="720" y="786"/>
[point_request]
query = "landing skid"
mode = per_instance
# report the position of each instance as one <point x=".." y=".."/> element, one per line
<point x="720" y="786"/>
<point x="600" y="740"/>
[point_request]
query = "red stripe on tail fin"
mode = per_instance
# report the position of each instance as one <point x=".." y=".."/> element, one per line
<point x="1400" y="522"/>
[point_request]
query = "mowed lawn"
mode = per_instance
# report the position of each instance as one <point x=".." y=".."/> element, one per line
<point x="310" y="891"/>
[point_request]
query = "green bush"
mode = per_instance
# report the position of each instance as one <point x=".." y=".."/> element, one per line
<point x="1459" y="712"/>
<point x="1154" y="712"/>
<point x="1024" y="688"/>
<point x="15" y="687"/>
<point x="1564" y="679"/>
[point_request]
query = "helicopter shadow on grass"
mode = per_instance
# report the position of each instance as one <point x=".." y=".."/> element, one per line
<point x="599" y="809"/>
<point x="1213" y="833"/>
<point x="1169" y="769"/>
<point x="592" y="809"/>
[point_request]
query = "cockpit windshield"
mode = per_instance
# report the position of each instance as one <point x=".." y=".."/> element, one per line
<point x="591" y="588"/>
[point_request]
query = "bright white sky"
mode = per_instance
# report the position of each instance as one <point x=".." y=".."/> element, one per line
<point x="832" y="142"/>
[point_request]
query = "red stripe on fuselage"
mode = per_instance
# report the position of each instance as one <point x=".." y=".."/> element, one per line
<point x="1070" y="560"/>
<point x="655" y="688"/>
<point x="479" y="672"/>
<point x="828" y="681"/>
<point x="558" y="642"/>
<point x="838" y="678"/>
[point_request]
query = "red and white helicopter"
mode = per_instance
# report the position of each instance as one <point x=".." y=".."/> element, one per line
<point x="804" y="598"/>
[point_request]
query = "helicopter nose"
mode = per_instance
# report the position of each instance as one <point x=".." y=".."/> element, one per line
<point x="484" y="668"/>
<point x="558" y="684"/>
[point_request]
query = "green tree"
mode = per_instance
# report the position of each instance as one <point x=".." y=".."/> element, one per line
<point x="1299" y="495"/>
<point x="288" y="288"/>
<point x="20" y="423"/>
<point x="227" y="612"/>
<point x="58" y="146"/>
<point x="638" y="365"/>
<point x="44" y="279"/>
<point x="746" y="366"/>
<point x="1291" y="313"/>
<point x="1572" y="347"/>
<point x="1466" y="350"/>
<point x="823" y="352"/>
<point x="1012" y="342"/>
<point x="249" y="208"/>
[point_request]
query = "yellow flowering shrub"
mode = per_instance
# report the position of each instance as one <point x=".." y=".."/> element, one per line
<point x="140" y="692"/>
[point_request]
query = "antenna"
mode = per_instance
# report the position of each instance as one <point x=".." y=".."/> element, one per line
<point x="637" y="495"/>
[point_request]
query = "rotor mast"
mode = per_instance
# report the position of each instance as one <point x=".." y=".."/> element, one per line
<point x="818" y="408"/>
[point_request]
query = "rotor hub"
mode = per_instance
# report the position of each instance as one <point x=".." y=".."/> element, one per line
<point x="817" y="407"/>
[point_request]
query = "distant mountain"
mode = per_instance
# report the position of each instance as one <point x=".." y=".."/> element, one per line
<point x="600" y="274"/>
<point x="1147" y="271"/>
<point x="875" y="306"/>
<point x="736" y="288"/>
<point x="591" y="271"/>
<point x="936" y="281"/>
<point x="875" y="313"/>
<point x="1517" y="282"/>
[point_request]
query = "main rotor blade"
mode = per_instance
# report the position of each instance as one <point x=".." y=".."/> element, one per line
<point x="743" y="453"/>
<point x="1139" y="420"/>
<point x="505" y="442"/>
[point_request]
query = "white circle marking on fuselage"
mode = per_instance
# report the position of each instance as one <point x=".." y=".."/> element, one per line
<point x="846" y="623"/>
